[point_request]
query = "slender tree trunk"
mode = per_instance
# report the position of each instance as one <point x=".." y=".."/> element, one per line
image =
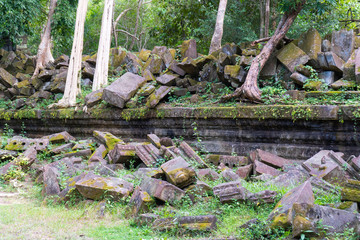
<point x="219" y="27"/>
<point x="136" y="24"/>
<point x="72" y="87"/>
<point x="267" y="18"/>
<point x="115" y="23"/>
<point x="262" y="18"/>
<point x="102" y="61"/>
<point x="250" y="89"/>
<point x="44" y="55"/>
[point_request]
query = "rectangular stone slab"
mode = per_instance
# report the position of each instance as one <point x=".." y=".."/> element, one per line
<point x="162" y="190"/>
<point x="120" y="91"/>
<point x="179" y="172"/>
<point x="148" y="153"/>
<point x="291" y="56"/>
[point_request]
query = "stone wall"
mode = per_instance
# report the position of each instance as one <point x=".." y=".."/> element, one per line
<point x="296" y="132"/>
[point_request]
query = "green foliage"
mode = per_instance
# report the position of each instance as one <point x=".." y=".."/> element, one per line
<point x="16" y="18"/>
<point x="63" y="26"/>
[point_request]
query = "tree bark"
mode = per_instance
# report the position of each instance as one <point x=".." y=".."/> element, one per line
<point x="219" y="27"/>
<point x="267" y="18"/>
<point x="136" y="24"/>
<point x="102" y="61"/>
<point x="44" y="55"/>
<point x="72" y="87"/>
<point x="250" y="89"/>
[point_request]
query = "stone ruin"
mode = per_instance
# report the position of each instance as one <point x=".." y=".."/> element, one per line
<point x="151" y="75"/>
<point x="169" y="172"/>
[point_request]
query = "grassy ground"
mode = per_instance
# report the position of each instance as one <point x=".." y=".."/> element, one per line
<point x="33" y="218"/>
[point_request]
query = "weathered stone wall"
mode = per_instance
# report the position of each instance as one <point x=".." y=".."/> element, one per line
<point x="296" y="132"/>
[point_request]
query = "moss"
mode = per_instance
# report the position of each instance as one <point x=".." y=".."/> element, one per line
<point x="280" y="221"/>
<point x="66" y="113"/>
<point x="345" y="205"/>
<point x="111" y="141"/>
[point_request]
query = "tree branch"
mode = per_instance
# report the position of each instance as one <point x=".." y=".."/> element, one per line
<point x="131" y="35"/>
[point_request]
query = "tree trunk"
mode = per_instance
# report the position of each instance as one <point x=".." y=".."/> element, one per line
<point x="115" y="24"/>
<point x="44" y="55"/>
<point x="262" y="17"/>
<point x="102" y="61"/>
<point x="136" y="24"/>
<point x="250" y="89"/>
<point x="267" y="18"/>
<point x="72" y="87"/>
<point x="219" y="27"/>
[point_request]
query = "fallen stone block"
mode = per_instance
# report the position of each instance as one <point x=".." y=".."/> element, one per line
<point x="334" y="62"/>
<point x="63" y="148"/>
<point x="167" y="79"/>
<point x="268" y="158"/>
<point x="351" y="191"/>
<point x="321" y="187"/>
<point x="98" y="187"/>
<point x="227" y="160"/>
<point x="179" y="172"/>
<point x="66" y="193"/>
<point x="323" y="166"/>
<point x="188" y="49"/>
<point x="94" y="97"/>
<point x="122" y="153"/>
<point x="120" y="91"/>
<point x="229" y="175"/>
<point x="140" y="202"/>
<point x="149" y="172"/>
<point x="155" y="140"/>
<point x="148" y="154"/>
<point x="60" y="137"/>
<point x="229" y="192"/>
<point x="328" y="77"/>
<point x="162" y="190"/>
<point x="6" y="78"/>
<point x="281" y="216"/>
<point x="193" y="223"/>
<point x="244" y="172"/>
<point x="188" y="65"/>
<point x="99" y="154"/>
<point x="298" y="78"/>
<point x="51" y="181"/>
<point x="18" y="143"/>
<point x="198" y="191"/>
<point x="106" y="138"/>
<point x="310" y="43"/>
<point x="291" y="56"/>
<point x="190" y="155"/>
<point x="290" y="178"/>
<point x="198" y="223"/>
<point x="343" y="43"/>
<point x="310" y="220"/>
<point x="82" y="153"/>
<point x="261" y="168"/>
<point x="157" y="96"/>
<point x="155" y="64"/>
<point x="265" y="196"/>
<point x="22" y="162"/>
<point x="343" y="164"/>
<point x="208" y="174"/>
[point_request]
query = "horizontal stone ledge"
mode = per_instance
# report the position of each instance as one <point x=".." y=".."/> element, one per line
<point x="260" y="112"/>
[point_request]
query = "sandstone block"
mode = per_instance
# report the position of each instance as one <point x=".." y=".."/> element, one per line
<point x="179" y="172"/>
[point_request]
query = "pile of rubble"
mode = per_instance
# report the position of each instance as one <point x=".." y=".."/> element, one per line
<point x="151" y="75"/>
<point x="168" y="173"/>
